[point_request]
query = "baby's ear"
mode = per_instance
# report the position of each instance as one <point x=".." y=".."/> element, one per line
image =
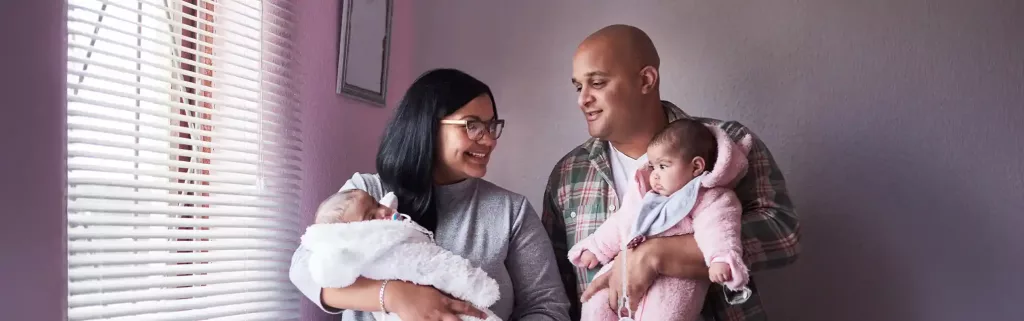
<point x="390" y="200"/>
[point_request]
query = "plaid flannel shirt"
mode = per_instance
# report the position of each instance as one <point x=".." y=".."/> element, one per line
<point x="579" y="196"/>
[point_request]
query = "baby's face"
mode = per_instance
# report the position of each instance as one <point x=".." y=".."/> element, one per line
<point x="362" y="207"/>
<point x="670" y="172"/>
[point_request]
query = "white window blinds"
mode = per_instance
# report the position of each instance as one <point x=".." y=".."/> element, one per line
<point x="183" y="160"/>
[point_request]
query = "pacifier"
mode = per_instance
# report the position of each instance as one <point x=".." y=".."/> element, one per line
<point x="391" y="201"/>
<point x="744" y="294"/>
<point x="400" y="217"/>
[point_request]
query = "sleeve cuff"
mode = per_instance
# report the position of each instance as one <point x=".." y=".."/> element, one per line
<point x="303" y="280"/>
<point x="740" y="273"/>
<point x="576" y="252"/>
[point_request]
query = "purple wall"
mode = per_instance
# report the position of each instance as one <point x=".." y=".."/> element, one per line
<point x="898" y="124"/>
<point x="340" y="135"/>
<point x="33" y="265"/>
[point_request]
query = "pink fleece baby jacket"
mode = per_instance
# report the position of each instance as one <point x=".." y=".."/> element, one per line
<point x="714" y="221"/>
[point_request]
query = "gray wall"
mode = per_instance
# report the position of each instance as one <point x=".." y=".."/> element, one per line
<point x="897" y="123"/>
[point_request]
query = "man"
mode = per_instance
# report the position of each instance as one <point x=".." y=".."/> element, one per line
<point x="615" y="71"/>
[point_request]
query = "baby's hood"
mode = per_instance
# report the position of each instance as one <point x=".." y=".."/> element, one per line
<point x="731" y="163"/>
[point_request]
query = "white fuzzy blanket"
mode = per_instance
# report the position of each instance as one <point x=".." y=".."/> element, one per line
<point x="394" y="250"/>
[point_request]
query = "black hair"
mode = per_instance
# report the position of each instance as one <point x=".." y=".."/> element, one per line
<point x="408" y="150"/>
<point x="689" y="138"/>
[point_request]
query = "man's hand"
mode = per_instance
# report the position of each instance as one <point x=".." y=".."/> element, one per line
<point x="641" y="276"/>
<point x="676" y="256"/>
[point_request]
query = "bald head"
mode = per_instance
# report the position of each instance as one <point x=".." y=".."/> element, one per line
<point x="625" y="44"/>
<point x="615" y="72"/>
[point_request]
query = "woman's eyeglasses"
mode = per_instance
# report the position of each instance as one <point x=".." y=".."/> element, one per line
<point x="475" y="129"/>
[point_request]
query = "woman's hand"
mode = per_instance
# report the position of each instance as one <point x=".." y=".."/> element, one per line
<point x="424" y="303"/>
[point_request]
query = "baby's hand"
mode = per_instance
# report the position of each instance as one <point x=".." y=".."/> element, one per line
<point x="720" y="272"/>
<point x="588" y="260"/>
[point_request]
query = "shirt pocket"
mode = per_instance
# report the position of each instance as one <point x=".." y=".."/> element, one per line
<point x="585" y="207"/>
<point x="582" y="220"/>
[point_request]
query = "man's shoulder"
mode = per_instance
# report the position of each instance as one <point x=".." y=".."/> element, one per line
<point x="578" y="157"/>
<point x="734" y="129"/>
<point x="580" y="153"/>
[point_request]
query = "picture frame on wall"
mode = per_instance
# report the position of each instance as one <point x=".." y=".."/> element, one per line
<point x="364" y="50"/>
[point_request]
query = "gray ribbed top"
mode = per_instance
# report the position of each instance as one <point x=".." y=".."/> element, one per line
<point x="493" y="228"/>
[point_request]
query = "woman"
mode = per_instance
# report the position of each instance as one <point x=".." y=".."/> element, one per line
<point x="433" y="155"/>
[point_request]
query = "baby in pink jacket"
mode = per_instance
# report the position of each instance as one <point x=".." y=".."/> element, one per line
<point x="693" y="170"/>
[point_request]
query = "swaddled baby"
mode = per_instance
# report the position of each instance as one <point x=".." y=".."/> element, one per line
<point x="362" y="237"/>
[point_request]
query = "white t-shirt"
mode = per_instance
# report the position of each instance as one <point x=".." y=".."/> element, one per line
<point x="624" y="170"/>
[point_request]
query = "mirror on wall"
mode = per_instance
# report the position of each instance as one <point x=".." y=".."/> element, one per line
<point x="364" y="47"/>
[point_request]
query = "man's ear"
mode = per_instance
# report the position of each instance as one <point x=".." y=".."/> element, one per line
<point x="698" y="165"/>
<point x="649" y="77"/>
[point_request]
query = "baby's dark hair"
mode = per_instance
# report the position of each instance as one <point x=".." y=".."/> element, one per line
<point x="689" y="138"/>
